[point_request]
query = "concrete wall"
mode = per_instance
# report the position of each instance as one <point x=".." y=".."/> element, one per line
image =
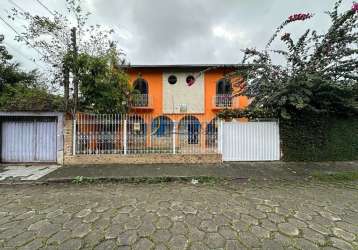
<point x="180" y="94"/>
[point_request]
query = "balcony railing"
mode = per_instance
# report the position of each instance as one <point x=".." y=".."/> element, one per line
<point x="223" y="101"/>
<point x="141" y="101"/>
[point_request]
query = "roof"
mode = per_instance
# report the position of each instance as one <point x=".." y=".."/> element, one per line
<point x="186" y="66"/>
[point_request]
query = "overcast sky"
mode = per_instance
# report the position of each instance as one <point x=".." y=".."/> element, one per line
<point x="182" y="31"/>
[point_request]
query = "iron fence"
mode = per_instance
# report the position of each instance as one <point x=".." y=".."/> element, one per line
<point x="144" y="134"/>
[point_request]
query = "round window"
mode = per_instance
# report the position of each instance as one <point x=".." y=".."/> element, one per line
<point x="190" y="80"/>
<point x="172" y="79"/>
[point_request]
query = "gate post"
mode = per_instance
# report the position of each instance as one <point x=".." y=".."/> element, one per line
<point x="220" y="137"/>
<point x="125" y="137"/>
<point x="174" y="137"/>
<point x="74" y="134"/>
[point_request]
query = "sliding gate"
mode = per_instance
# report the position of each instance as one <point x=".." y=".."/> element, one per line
<point x="250" y="141"/>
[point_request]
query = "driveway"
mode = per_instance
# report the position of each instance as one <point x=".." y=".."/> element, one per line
<point x="266" y="215"/>
<point x="25" y="172"/>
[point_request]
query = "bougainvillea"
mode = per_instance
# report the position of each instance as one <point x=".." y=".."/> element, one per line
<point x="299" y="17"/>
<point x="355" y="7"/>
<point x="319" y="72"/>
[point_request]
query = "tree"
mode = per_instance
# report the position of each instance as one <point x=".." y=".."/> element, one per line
<point x="20" y="90"/>
<point x="103" y="85"/>
<point x="53" y="36"/>
<point x="320" y="72"/>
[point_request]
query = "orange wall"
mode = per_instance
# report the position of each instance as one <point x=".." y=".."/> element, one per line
<point x="154" y="77"/>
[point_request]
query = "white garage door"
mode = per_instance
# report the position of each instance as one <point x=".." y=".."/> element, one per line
<point x="29" y="141"/>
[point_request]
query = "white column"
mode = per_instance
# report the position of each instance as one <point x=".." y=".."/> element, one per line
<point x="174" y="138"/>
<point x="125" y="137"/>
<point x="74" y="134"/>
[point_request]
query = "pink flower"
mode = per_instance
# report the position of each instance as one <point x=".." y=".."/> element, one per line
<point x="299" y="17"/>
<point x="355" y="7"/>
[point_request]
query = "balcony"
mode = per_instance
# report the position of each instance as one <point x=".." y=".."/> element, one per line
<point x="225" y="102"/>
<point x="142" y="101"/>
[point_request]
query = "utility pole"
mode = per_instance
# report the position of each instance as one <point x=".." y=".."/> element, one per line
<point x="74" y="69"/>
<point x="66" y="85"/>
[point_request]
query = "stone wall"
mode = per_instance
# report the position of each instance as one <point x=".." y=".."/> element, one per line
<point x="70" y="159"/>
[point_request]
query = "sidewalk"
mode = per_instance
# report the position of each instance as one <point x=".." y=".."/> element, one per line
<point x="244" y="170"/>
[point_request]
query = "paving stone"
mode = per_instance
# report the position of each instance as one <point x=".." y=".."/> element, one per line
<point x="81" y="231"/>
<point x="234" y="245"/>
<point x="143" y="244"/>
<point x="209" y="226"/>
<point x="59" y="237"/>
<point x="320" y="229"/>
<point x="249" y="239"/>
<point x="161" y="235"/>
<point x="260" y="232"/>
<point x="249" y="219"/>
<point x="114" y="231"/>
<point x="73" y="244"/>
<point x="127" y="238"/>
<point x="304" y="244"/>
<point x="178" y="242"/>
<point x="20" y="239"/>
<point x="340" y="233"/>
<point x="83" y="213"/>
<point x="314" y="236"/>
<point x="215" y="240"/>
<point x="33" y="245"/>
<point x="272" y="245"/>
<point x="303" y="216"/>
<point x="199" y="246"/>
<point x="228" y="233"/>
<point x="163" y="223"/>
<point x="341" y="244"/>
<point x="106" y="245"/>
<point x="146" y="229"/>
<point x="288" y="229"/>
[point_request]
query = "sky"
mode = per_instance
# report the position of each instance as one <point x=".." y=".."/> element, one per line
<point x="181" y="31"/>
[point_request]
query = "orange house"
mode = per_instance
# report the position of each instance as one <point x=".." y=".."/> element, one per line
<point x="182" y="99"/>
<point x="178" y="91"/>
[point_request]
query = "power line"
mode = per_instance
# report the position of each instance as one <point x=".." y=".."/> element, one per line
<point x="45" y="7"/>
<point x="24" y="56"/>
<point x="13" y="29"/>
<point x="16" y="5"/>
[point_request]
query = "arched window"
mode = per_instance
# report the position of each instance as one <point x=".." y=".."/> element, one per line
<point x="223" y="93"/>
<point x="212" y="133"/>
<point x="141" y="86"/>
<point x="189" y="127"/>
<point x="223" y="87"/>
<point x="140" y="99"/>
<point x="162" y="126"/>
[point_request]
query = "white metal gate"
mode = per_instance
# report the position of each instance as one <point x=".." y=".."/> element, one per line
<point x="29" y="141"/>
<point x="249" y="141"/>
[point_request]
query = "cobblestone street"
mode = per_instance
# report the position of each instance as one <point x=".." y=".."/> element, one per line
<point x="278" y="215"/>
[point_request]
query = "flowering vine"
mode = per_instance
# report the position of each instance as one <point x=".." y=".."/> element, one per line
<point x="355" y="7"/>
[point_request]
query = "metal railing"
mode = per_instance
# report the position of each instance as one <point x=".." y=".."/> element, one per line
<point x="143" y="134"/>
<point x="141" y="100"/>
<point x="223" y="101"/>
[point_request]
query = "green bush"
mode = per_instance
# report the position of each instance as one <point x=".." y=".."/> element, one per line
<point x="309" y="137"/>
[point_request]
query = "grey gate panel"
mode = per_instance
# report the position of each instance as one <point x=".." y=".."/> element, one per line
<point x="28" y="141"/>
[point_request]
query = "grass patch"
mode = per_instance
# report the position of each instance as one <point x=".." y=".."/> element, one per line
<point x="335" y="176"/>
<point x="151" y="180"/>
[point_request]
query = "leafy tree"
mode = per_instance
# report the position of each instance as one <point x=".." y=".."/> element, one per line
<point x="320" y="72"/>
<point x="53" y="37"/>
<point x="103" y="85"/>
<point x="21" y="91"/>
